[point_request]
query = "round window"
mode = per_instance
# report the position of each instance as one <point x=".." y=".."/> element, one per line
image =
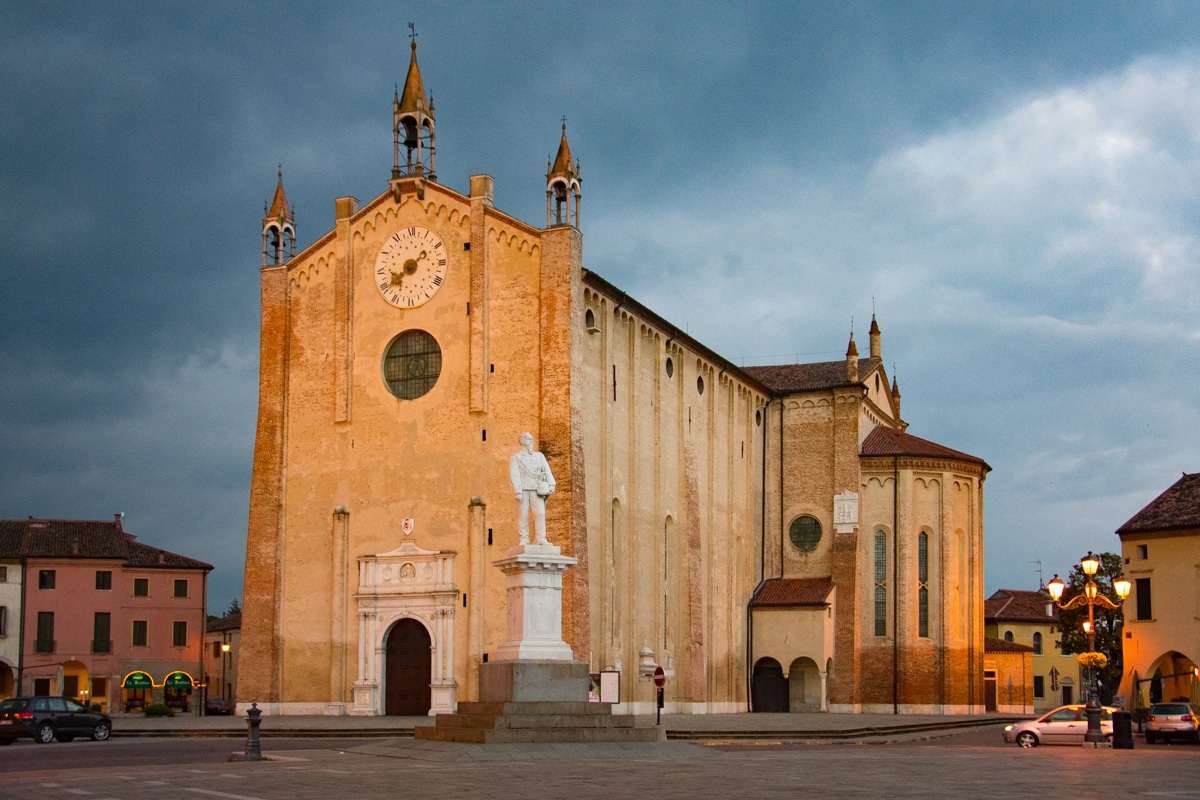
<point x="670" y="367"/>
<point x="805" y="533"/>
<point x="700" y="385"/>
<point x="412" y="364"/>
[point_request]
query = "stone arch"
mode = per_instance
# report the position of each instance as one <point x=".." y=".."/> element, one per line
<point x="769" y="687"/>
<point x="804" y="685"/>
<point x="8" y="686"/>
<point x="1171" y="676"/>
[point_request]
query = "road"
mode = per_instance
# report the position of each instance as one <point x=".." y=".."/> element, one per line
<point x="970" y="764"/>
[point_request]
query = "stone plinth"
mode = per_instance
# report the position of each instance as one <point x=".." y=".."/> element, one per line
<point x="536" y="691"/>
<point x="535" y="701"/>
<point x="533" y="681"/>
<point x="533" y="576"/>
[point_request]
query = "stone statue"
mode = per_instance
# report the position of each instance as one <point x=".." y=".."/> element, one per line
<point x="532" y="483"/>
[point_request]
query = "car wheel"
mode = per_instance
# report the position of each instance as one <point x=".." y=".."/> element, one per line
<point x="1150" y="738"/>
<point x="64" y="738"/>
<point x="5" y="741"/>
<point x="44" y="734"/>
<point x="1027" y="739"/>
<point x="101" y="731"/>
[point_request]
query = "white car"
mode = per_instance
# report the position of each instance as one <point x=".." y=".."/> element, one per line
<point x="1063" y="725"/>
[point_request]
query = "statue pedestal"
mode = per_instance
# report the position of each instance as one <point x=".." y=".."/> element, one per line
<point x="535" y="691"/>
<point x="533" y="575"/>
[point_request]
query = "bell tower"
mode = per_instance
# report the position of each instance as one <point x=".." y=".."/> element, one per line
<point x="279" y="228"/>
<point x="562" y="187"/>
<point x="413" y="125"/>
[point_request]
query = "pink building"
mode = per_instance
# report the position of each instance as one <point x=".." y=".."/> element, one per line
<point x="104" y="618"/>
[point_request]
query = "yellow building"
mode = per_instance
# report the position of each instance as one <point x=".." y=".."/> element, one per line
<point x="1031" y="619"/>
<point x="1160" y="547"/>
<point x="402" y="354"/>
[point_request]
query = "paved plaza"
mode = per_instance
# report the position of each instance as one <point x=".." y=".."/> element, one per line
<point x="954" y="762"/>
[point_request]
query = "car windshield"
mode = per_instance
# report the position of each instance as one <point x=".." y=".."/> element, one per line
<point x="1169" y="708"/>
<point x="12" y="704"/>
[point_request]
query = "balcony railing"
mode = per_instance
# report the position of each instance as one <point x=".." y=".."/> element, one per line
<point x="101" y="645"/>
<point x="43" y="645"/>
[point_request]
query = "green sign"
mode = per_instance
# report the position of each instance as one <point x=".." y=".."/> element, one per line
<point x="137" y="680"/>
<point x="178" y="680"/>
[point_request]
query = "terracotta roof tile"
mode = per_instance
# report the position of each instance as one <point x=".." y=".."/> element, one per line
<point x="229" y="622"/>
<point x="793" y="592"/>
<point x="883" y="441"/>
<point x="993" y="645"/>
<point x="787" y="378"/>
<point x="1177" y="507"/>
<point x="1019" y="605"/>
<point x="71" y="538"/>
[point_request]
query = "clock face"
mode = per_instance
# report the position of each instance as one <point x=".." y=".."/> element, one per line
<point x="411" y="266"/>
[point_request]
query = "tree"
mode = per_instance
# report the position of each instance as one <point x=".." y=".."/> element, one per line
<point x="1108" y="622"/>
<point x="235" y="607"/>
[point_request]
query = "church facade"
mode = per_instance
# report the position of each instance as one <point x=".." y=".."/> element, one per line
<point x="771" y="536"/>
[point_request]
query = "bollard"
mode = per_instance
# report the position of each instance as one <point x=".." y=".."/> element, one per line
<point x="1122" y="730"/>
<point x="253" y="720"/>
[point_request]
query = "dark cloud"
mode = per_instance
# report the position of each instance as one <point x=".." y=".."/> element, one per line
<point x="729" y="151"/>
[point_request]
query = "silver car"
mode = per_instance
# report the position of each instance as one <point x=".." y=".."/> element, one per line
<point x="1063" y="725"/>
<point x="1167" y="721"/>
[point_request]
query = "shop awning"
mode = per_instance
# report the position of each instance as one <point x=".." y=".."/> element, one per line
<point x="178" y="680"/>
<point x="137" y="680"/>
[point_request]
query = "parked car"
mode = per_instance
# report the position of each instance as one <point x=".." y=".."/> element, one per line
<point x="216" y="707"/>
<point x="1167" y="721"/>
<point x="1063" y="725"/>
<point x="47" y="718"/>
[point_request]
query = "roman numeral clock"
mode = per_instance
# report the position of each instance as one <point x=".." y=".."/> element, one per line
<point x="411" y="266"/>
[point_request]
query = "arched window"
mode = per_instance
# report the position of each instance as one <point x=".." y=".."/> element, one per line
<point x="1008" y="637"/>
<point x="880" y="583"/>
<point x="1037" y="644"/>
<point x="923" y="584"/>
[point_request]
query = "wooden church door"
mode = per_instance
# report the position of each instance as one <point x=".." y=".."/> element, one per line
<point x="407" y="658"/>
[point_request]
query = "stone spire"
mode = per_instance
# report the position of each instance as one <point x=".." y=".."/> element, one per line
<point x="876" y="350"/>
<point x="279" y="227"/>
<point x="896" y="397"/>
<point x="563" y="186"/>
<point x="413" y="124"/>
<point x="852" y="360"/>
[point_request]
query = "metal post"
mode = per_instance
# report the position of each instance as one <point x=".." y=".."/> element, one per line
<point x="1094" y="735"/>
<point x="253" y="720"/>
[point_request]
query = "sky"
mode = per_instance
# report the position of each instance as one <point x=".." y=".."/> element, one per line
<point x="1012" y="188"/>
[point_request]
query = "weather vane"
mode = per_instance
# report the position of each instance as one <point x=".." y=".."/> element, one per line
<point x="412" y="32"/>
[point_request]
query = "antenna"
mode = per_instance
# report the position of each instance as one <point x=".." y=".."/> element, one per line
<point x="1041" y="578"/>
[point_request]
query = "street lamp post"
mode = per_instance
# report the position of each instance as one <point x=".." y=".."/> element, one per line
<point x="224" y="656"/>
<point x="1090" y="597"/>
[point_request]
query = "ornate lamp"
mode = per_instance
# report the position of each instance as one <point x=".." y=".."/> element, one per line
<point x="1091" y="597"/>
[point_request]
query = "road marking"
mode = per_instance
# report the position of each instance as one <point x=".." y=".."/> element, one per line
<point x="211" y="793"/>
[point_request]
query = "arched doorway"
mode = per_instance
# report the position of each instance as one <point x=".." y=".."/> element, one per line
<point x="769" y="689"/>
<point x="407" y="670"/>
<point x="7" y="682"/>
<point x="804" y="686"/>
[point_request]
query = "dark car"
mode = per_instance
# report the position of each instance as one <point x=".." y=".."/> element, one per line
<point x="216" y="707"/>
<point x="46" y="718"/>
